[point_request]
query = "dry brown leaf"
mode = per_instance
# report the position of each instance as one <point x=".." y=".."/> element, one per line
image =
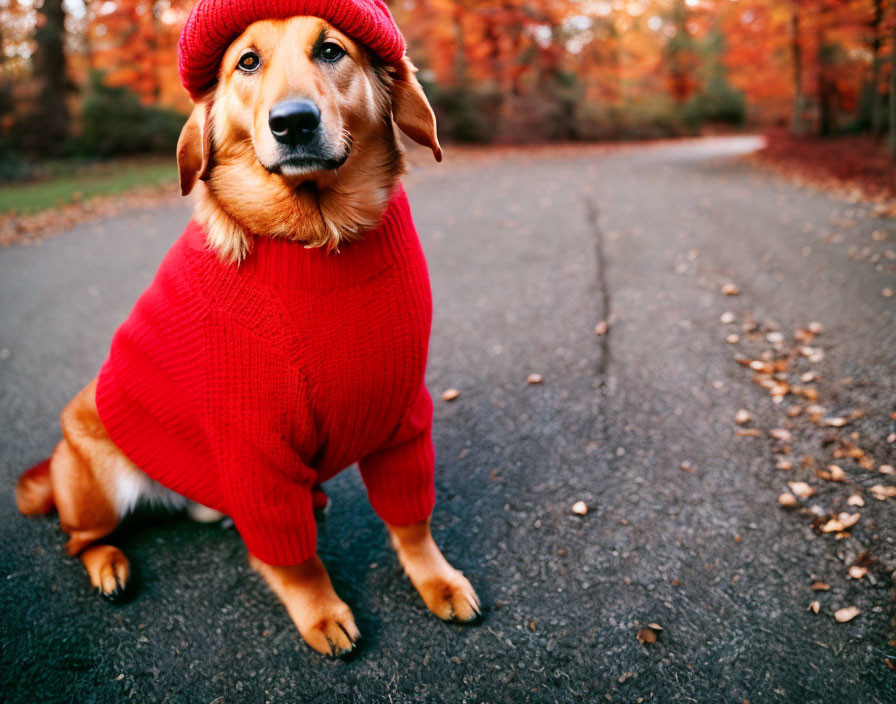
<point x="794" y="411"/>
<point x="814" y="607"/>
<point x="808" y="377"/>
<point x="833" y="526"/>
<point x="749" y="433"/>
<point x="886" y="469"/>
<point x="834" y="473"/>
<point x="646" y="636"/>
<point x="857" y="572"/>
<point x="732" y="339"/>
<point x="842" y="522"/>
<point x="781" y="434"/>
<point x="450" y="394"/>
<point x="742" y="416"/>
<point x="686" y="466"/>
<point x="801" y="489"/>
<point x="820" y="587"/>
<point x="845" y="614"/>
<point x="787" y="500"/>
<point x="580" y="508"/>
<point x="601" y="328"/>
<point x="784" y="464"/>
<point x="730" y="289"/>
<point x="835" y="422"/>
<point x="655" y="626"/>
<point x="881" y="492"/>
<point x="855" y="500"/>
<point x="727" y="317"/>
<point x="534" y="378"/>
<point x="815" y="328"/>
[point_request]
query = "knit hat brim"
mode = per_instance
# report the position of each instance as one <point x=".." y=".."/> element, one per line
<point x="214" y="24"/>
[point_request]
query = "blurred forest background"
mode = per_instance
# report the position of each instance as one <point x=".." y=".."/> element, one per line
<point x="92" y="79"/>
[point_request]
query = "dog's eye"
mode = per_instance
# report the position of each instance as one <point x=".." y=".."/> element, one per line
<point x="249" y="62"/>
<point x="331" y="52"/>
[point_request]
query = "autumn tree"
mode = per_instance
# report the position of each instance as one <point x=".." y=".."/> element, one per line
<point x="49" y="122"/>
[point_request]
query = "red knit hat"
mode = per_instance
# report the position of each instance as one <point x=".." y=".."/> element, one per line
<point x="214" y="24"/>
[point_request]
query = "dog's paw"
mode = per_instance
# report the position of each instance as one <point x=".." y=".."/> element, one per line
<point x="451" y="598"/>
<point x="108" y="568"/>
<point x="332" y="631"/>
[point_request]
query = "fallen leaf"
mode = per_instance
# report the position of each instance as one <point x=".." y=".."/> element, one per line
<point x="845" y="614"/>
<point x="742" y="416"/>
<point x="835" y="422"/>
<point x="801" y="489"/>
<point x="580" y="508"/>
<point x="781" y="434"/>
<point x="820" y="587"/>
<point x="794" y="411"/>
<point x="882" y="492"/>
<point x="687" y="466"/>
<point x="857" y="572"/>
<point x="855" y="500"/>
<point x="601" y="328"/>
<point x="646" y="636"/>
<point x="814" y="607"/>
<point x="727" y="317"/>
<point x="787" y="500"/>
<point x="808" y="377"/>
<point x="730" y="289"/>
<point x="732" y="339"/>
<point x="775" y="338"/>
<point x="750" y="433"/>
<point x="450" y="394"/>
<point x="837" y="473"/>
<point x="842" y="522"/>
<point x="784" y="464"/>
<point x="815" y="328"/>
<point x="886" y="469"/>
<point x="534" y="379"/>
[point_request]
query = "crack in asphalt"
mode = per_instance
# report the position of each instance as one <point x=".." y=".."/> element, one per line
<point x="603" y="289"/>
<point x="603" y="378"/>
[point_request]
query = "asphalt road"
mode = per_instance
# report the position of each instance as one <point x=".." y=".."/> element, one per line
<point x="528" y="250"/>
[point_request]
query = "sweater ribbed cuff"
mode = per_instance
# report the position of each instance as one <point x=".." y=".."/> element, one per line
<point x="400" y="481"/>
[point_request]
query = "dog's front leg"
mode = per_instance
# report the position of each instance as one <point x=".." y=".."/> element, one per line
<point x="446" y="592"/>
<point x="324" y="620"/>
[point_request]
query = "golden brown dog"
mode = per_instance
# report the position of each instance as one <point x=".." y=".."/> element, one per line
<point x="247" y="184"/>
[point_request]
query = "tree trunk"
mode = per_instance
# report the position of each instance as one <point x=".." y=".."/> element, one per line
<point x="797" y="125"/>
<point x="892" y="101"/>
<point x="49" y="123"/>
<point x="877" y="116"/>
<point x="827" y="95"/>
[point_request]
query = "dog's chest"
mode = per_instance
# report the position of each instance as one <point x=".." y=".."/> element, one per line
<point x="364" y="353"/>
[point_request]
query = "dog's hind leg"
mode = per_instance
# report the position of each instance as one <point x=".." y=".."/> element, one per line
<point x="87" y="471"/>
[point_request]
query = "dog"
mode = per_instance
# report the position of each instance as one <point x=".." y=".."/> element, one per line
<point x="296" y="148"/>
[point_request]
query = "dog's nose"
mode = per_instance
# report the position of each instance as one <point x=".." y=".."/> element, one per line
<point x="294" y="121"/>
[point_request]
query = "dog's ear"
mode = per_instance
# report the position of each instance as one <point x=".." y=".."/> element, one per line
<point x="194" y="160"/>
<point x="410" y="108"/>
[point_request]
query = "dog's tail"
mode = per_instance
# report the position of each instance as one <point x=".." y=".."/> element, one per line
<point x="34" y="490"/>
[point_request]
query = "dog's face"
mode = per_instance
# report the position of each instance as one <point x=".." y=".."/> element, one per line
<point x="300" y="92"/>
<point x="299" y="109"/>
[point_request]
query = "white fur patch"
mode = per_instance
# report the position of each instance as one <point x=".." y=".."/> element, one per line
<point x="133" y="487"/>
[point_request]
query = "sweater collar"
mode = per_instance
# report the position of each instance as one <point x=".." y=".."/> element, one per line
<point x="280" y="262"/>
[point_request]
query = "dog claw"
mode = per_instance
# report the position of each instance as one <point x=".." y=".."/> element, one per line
<point x="452" y="598"/>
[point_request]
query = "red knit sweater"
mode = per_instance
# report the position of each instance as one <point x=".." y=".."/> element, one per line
<point x="241" y="387"/>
